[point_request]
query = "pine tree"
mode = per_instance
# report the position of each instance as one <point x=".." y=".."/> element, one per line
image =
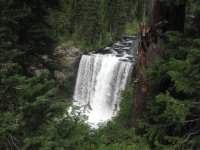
<point x="93" y="26"/>
<point x="116" y="19"/>
<point x="171" y="120"/>
<point x="31" y="116"/>
<point x="61" y="18"/>
<point x="36" y="38"/>
<point x="11" y="83"/>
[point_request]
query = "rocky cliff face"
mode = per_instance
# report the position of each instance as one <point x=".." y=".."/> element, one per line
<point x="66" y="78"/>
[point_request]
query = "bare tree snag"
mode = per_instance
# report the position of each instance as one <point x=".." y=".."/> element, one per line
<point x="160" y="19"/>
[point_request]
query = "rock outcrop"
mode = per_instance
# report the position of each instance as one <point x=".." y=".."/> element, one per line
<point x="67" y="77"/>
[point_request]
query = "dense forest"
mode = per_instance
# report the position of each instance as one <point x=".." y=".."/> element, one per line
<point x="34" y="116"/>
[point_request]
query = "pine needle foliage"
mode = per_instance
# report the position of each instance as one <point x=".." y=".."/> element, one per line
<point x="172" y="117"/>
<point x="31" y="116"/>
<point x="117" y="134"/>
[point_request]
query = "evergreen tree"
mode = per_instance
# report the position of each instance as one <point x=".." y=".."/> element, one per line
<point x="171" y="120"/>
<point x="61" y="18"/>
<point x="93" y="25"/>
<point x="31" y="116"/>
<point x="36" y="38"/>
<point x="117" y="133"/>
<point x="116" y="19"/>
<point x="77" y="20"/>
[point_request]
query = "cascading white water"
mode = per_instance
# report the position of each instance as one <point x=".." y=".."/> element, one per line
<point x="99" y="82"/>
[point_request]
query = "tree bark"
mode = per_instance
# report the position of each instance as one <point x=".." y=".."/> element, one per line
<point x="161" y="18"/>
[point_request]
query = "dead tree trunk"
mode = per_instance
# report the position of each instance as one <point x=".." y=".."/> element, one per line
<point x="161" y="18"/>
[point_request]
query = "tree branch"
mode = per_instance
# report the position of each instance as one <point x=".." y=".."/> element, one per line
<point x="189" y="136"/>
<point x="14" y="142"/>
<point x="9" y="143"/>
<point x="192" y="120"/>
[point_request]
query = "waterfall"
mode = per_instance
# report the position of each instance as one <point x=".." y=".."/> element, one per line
<point x="99" y="82"/>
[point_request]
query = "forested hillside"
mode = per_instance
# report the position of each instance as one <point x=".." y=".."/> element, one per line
<point x="163" y="112"/>
<point x="95" y="24"/>
<point x="34" y="116"/>
<point x="170" y="118"/>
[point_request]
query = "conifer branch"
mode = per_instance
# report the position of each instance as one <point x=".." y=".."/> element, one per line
<point x="175" y="102"/>
<point x="6" y="148"/>
<point x="189" y="136"/>
<point x="192" y="120"/>
<point x="14" y="142"/>
<point x="9" y="143"/>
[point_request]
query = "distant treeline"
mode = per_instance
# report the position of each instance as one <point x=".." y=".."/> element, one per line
<point x="95" y="22"/>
